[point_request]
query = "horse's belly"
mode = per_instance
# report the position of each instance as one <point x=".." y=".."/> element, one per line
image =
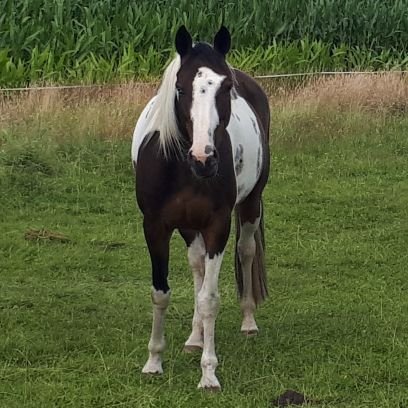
<point x="246" y="141"/>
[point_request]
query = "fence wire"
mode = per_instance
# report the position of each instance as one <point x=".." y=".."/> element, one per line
<point x="271" y="76"/>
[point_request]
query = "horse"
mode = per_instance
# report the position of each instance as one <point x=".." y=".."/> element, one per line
<point x="200" y="152"/>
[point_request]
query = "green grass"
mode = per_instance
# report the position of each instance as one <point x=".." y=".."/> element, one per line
<point x="75" y="318"/>
<point x="46" y="67"/>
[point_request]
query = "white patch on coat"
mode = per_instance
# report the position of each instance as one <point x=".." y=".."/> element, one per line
<point x="244" y="130"/>
<point x="143" y="128"/>
<point x="196" y="259"/>
<point x="157" y="343"/>
<point x="208" y="304"/>
<point x="203" y="112"/>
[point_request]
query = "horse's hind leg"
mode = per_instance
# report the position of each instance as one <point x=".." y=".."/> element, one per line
<point x="196" y="259"/>
<point x="249" y="261"/>
<point x="157" y="238"/>
<point x="246" y="253"/>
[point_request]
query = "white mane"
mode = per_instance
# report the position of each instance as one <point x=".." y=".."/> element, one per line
<point x="164" y="116"/>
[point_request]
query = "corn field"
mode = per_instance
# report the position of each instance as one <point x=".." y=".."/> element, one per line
<point x="84" y="41"/>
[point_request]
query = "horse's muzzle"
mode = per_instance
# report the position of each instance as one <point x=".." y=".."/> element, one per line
<point x="204" y="167"/>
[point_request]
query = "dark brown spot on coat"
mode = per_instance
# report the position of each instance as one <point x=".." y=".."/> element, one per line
<point x="254" y="125"/>
<point x="259" y="162"/>
<point x="239" y="159"/>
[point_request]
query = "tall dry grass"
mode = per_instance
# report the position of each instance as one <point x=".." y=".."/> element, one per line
<point x="382" y="93"/>
<point x="337" y="107"/>
<point x="104" y="112"/>
<point x="111" y="112"/>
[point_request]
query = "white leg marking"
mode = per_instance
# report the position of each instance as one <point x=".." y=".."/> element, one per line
<point x="208" y="303"/>
<point x="157" y="343"/>
<point x="196" y="254"/>
<point x="246" y="251"/>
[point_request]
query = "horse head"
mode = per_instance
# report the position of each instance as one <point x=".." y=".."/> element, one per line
<point x="203" y="98"/>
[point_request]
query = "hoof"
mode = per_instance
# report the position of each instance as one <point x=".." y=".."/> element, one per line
<point x="250" y="333"/>
<point x="249" y="327"/>
<point x="212" y="388"/>
<point x="192" y="348"/>
<point x="209" y="384"/>
<point x="152" y="367"/>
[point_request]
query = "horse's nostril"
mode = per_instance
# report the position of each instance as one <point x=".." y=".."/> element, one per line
<point x="209" y="149"/>
<point x="190" y="155"/>
<point x="215" y="154"/>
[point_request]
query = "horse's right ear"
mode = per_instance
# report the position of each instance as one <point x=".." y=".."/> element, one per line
<point x="184" y="42"/>
<point x="222" y="41"/>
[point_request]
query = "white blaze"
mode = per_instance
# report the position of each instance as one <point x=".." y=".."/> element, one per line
<point x="204" y="113"/>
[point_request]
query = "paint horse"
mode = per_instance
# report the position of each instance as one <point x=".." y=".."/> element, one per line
<point x="200" y="150"/>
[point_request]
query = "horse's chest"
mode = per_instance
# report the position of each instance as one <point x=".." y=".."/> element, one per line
<point x="246" y="142"/>
<point x="188" y="209"/>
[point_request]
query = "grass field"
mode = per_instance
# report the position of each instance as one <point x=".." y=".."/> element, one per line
<point x="75" y="316"/>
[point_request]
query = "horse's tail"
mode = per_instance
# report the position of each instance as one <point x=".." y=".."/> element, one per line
<point x="259" y="281"/>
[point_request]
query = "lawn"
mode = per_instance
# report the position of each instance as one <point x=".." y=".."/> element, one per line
<point x="75" y="315"/>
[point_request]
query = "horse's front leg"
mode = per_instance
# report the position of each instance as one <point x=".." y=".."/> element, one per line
<point x="196" y="258"/>
<point x="157" y="239"/>
<point x="208" y="301"/>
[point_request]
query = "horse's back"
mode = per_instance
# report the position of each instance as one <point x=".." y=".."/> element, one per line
<point x="252" y="92"/>
<point x="142" y="128"/>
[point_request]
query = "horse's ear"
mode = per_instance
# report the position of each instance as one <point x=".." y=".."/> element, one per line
<point x="184" y="42"/>
<point x="222" y="41"/>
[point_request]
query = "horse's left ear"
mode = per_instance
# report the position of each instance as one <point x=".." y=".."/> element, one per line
<point x="222" y="41"/>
